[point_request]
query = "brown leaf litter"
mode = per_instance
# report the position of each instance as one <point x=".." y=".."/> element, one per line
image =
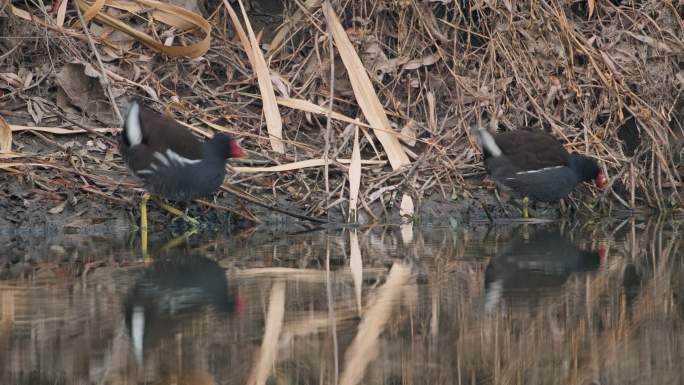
<point x="412" y="77"/>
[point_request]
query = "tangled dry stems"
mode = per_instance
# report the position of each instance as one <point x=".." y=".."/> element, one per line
<point x="608" y="84"/>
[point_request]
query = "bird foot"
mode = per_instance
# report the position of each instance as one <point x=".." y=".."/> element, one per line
<point x="190" y="220"/>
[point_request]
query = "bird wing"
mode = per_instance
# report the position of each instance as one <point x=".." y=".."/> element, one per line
<point x="161" y="133"/>
<point x="532" y="150"/>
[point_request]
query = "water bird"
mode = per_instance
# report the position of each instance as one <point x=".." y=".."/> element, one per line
<point x="533" y="266"/>
<point x="534" y="165"/>
<point x="171" y="161"/>
<point x="173" y="291"/>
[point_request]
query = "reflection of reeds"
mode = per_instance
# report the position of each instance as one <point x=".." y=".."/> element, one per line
<point x="364" y="348"/>
<point x="269" y="344"/>
<point x="594" y="328"/>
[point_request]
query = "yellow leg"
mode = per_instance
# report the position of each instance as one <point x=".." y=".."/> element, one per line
<point x="175" y="211"/>
<point x="525" y="210"/>
<point x="178" y="240"/>
<point x="526" y="232"/>
<point x="143" y="225"/>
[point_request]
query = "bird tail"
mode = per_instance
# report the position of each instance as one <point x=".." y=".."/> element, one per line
<point x="132" y="129"/>
<point x="487" y="142"/>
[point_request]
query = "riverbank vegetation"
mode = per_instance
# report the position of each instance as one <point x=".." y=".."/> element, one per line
<point x="358" y="108"/>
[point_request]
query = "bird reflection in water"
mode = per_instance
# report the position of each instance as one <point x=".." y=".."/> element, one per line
<point x="535" y="265"/>
<point x="171" y="303"/>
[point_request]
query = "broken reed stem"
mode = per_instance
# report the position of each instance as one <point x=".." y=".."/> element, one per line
<point x="103" y="74"/>
<point x="326" y="149"/>
<point x="331" y="312"/>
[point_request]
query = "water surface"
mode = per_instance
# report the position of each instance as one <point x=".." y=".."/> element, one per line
<point x="535" y="304"/>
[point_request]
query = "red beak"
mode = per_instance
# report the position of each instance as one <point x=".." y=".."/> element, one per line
<point x="600" y="180"/>
<point x="235" y="150"/>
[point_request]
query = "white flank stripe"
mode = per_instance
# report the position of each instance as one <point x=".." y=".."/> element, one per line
<point x="174" y="157"/>
<point x="138" y="331"/>
<point x="132" y="127"/>
<point x="145" y="172"/>
<point x="539" y="170"/>
<point x="487" y="141"/>
<point x="154" y="167"/>
<point x="162" y="159"/>
<point x="493" y="295"/>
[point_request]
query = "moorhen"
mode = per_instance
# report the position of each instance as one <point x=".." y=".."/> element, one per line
<point x="171" y="161"/>
<point x="534" y="164"/>
<point x="528" y="268"/>
<point x="174" y="290"/>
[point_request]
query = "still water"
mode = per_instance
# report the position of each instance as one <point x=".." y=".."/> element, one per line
<point x="537" y="304"/>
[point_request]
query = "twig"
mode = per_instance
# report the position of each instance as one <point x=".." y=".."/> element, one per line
<point x="248" y="197"/>
<point x="103" y="74"/>
<point x="90" y="130"/>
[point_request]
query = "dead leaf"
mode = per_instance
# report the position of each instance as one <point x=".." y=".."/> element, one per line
<point x="425" y="61"/>
<point x="61" y="13"/>
<point x="170" y="14"/>
<point x="354" y="177"/>
<point x="81" y="84"/>
<point x="406" y="211"/>
<point x="274" y="123"/>
<point x="12" y="79"/>
<point x="299" y="165"/>
<point x="59" y="130"/>
<point x="591" y="5"/>
<point x="5" y="136"/>
<point x="364" y="91"/>
<point x="374" y="58"/>
<point x="59" y="208"/>
<point x="281" y="84"/>
<point x="408" y="133"/>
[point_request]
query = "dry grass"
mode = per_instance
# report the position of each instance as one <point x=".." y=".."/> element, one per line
<point x="606" y="79"/>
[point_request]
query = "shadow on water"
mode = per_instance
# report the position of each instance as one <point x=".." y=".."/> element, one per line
<point x="532" y="304"/>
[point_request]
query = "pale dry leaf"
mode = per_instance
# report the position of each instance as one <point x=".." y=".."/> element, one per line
<point x="432" y="110"/>
<point x="301" y="164"/>
<point x="406" y="210"/>
<point x="591" y="4"/>
<point x="274" y="123"/>
<point x="59" y="208"/>
<point x="307" y="106"/>
<point x="12" y="79"/>
<point x="281" y="84"/>
<point x="424" y="61"/>
<point x="354" y="177"/>
<point x="5" y="136"/>
<point x="356" y="267"/>
<point x="61" y="13"/>
<point x="14" y="155"/>
<point x="60" y="131"/>
<point x="364" y="91"/>
<point x="408" y="133"/>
